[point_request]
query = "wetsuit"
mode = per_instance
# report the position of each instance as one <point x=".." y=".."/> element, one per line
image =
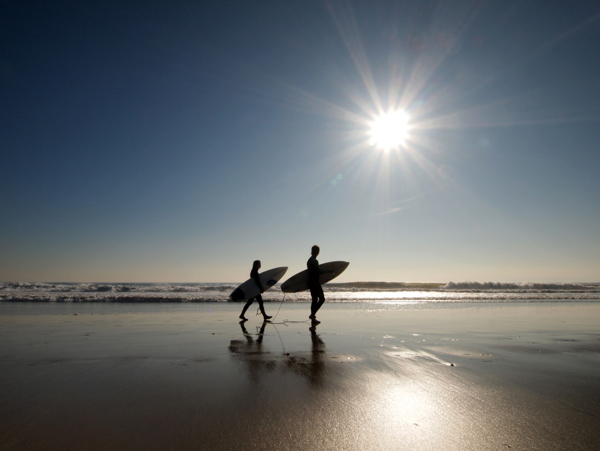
<point x="316" y="291"/>
<point x="254" y="275"/>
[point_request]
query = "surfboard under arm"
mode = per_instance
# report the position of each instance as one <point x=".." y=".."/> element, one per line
<point x="299" y="282"/>
<point x="248" y="289"/>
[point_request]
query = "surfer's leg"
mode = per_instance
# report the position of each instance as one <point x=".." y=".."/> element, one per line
<point x="248" y="304"/>
<point x="321" y="302"/>
<point x="262" y="307"/>
<point x="318" y="300"/>
<point x="314" y="306"/>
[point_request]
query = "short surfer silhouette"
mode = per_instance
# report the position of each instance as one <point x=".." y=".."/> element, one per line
<point x="254" y="275"/>
<point x="316" y="291"/>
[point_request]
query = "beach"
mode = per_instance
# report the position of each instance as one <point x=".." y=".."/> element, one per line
<point x="371" y="376"/>
<point x="431" y="165"/>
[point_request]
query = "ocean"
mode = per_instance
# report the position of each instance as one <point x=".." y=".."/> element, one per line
<point x="381" y="292"/>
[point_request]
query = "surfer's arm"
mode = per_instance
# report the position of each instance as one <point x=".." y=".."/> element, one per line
<point x="320" y="270"/>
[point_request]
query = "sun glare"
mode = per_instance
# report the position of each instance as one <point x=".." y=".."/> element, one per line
<point x="389" y="130"/>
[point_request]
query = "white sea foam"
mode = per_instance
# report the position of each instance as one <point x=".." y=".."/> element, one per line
<point x="347" y="292"/>
<point x="113" y="287"/>
<point x="495" y="286"/>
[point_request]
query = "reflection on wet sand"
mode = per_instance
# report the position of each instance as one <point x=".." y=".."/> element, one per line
<point x="251" y="352"/>
<point x="310" y="365"/>
<point x="312" y="368"/>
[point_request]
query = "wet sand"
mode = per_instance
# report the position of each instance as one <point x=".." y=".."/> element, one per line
<point x="369" y="377"/>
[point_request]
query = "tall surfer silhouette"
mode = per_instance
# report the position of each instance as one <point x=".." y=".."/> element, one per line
<point x="316" y="291"/>
<point x="254" y="275"/>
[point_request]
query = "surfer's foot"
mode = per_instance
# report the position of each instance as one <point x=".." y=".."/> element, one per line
<point x="315" y="321"/>
<point x="243" y="318"/>
<point x="312" y="317"/>
<point x="267" y="317"/>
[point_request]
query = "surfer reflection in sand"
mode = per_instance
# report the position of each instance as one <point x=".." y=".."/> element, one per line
<point x="317" y="366"/>
<point x="316" y="290"/>
<point x="308" y="365"/>
<point x="254" y="275"/>
<point x="313" y="368"/>
<point x="252" y="353"/>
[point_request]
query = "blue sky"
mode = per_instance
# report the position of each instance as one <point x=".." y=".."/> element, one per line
<point x="180" y="141"/>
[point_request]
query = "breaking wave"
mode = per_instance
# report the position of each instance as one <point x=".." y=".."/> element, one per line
<point x="335" y="292"/>
<point x="115" y="287"/>
<point x="542" y="287"/>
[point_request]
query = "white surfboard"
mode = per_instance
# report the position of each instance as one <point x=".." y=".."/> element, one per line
<point x="299" y="282"/>
<point x="248" y="289"/>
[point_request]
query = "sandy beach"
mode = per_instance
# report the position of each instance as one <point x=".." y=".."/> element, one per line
<point x="370" y="376"/>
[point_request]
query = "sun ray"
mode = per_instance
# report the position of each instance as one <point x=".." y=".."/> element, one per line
<point x="345" y="21"/>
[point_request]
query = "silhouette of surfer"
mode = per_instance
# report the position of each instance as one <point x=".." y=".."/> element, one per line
<point x="254" y="275"/>
<point x="316" y="291"/>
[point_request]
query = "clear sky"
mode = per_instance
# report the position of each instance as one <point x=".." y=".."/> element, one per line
<point x="178" y="141"/>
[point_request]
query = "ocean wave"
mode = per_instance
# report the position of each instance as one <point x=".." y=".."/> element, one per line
<point x="114" y="287"/>
<point x="332" y="287"/>
<point x="340" y="292"/>
<point x="277" y="296"/>
<point x="501" y="286"/>
<point x="349" y="286"/>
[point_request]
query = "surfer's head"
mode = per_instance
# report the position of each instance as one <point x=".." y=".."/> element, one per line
<point x="256" y="264"/>
<point x="315" y="250"/>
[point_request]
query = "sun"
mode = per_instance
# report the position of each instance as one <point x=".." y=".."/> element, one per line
<point x="389" y="131"/>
